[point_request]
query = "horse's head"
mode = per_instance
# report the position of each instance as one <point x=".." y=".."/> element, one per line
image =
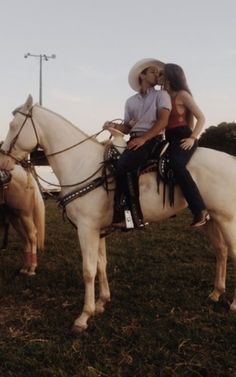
<point x="21" y="138"/>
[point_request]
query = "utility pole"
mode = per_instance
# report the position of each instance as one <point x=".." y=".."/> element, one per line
<point x="41" y="57"/>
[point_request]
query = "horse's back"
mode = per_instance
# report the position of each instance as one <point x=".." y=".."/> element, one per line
<point x="213" y="160"/>
<point x="215" y="176"/>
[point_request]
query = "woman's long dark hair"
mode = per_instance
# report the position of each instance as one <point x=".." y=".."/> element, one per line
<point x="174" y="74"/>
<point x="176" y="77"/>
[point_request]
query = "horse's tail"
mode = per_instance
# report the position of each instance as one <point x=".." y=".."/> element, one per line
<point x="39" y="217"/>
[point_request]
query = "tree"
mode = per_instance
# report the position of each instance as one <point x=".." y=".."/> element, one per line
<point x="221" y="138"/>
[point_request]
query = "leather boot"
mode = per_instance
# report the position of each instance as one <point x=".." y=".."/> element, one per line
<point x="201" y="218"/>
<point x="134" y="204"/>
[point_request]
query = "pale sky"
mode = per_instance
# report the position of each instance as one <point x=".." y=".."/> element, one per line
<point x="97" y="41"/>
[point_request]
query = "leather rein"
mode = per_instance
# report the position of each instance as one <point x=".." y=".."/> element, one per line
<point x="29" y="115"/>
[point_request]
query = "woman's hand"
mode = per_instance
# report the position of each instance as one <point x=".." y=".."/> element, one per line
<point x="187" y="143"/>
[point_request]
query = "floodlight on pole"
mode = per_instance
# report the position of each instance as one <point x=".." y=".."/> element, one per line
<point x="41" y="57"/>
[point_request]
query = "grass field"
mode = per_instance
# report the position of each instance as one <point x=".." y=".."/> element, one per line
<point x="158" y="323"/>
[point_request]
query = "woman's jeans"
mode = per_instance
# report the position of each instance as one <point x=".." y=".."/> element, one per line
<point x="178" y="160"/>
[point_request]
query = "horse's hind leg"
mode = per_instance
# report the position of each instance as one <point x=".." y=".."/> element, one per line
<point x="104" y="291"/>
<point x="228" y="230"/>
<point x="89" y="243"/>
<point x="221" y="250"/>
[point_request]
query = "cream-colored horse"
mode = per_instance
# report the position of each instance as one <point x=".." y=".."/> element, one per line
<point x="80" y="157"/>
<point x="24" y="207"/>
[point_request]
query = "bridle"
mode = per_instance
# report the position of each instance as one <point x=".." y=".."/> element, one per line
<point x="27" y="116"/>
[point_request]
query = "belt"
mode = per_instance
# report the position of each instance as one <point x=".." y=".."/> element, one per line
<point x="134" y="134"/>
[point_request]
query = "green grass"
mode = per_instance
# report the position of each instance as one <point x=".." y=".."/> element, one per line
<point x="158" y="323"/>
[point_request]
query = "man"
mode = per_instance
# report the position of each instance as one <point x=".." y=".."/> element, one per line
<point x="146" y="113"/>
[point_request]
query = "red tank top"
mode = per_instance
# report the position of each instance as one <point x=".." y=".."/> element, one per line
<point x="176" y="119"/>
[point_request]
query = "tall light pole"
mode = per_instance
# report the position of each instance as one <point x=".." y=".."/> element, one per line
<point x="41" y="57"/>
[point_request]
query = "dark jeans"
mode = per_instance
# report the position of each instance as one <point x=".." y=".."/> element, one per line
<point x="127" y="185"/>
<point x="178" y="161"/>
<point x="130" y="161"/>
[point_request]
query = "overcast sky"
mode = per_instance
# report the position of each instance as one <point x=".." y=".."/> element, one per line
<point x="97" y="41"/>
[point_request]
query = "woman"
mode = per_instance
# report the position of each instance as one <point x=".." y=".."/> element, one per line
<point x="182" y="136"/>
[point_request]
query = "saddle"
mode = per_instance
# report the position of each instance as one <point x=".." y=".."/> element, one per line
<point x="5" y="179"/>
<point x="158" y="162"/>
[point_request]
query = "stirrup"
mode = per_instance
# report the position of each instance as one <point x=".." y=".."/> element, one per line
<point x="128" y="219"/>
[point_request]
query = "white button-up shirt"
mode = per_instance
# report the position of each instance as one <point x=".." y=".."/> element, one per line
<point x="144" y="108"/>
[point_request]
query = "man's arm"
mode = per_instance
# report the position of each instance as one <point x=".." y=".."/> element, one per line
<point x="160" y="125"/>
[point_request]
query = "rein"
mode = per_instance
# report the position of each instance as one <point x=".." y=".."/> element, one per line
<point x="69" y="185"/>
<point x="30" y="116"/>
<point x="74" y="145"/>
<point x="95" y="183"/>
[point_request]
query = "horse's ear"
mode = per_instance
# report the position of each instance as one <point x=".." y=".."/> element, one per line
<point x="29" y="102"/>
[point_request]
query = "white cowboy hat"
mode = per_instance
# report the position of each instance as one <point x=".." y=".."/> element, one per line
<point x="138" y="68"/>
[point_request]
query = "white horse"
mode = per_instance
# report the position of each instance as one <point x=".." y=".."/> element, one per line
<point x="80" y="157"/>
<point x="25" y="211"/>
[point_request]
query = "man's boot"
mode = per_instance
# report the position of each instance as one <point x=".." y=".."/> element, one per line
<point x="135" y="208"/>
<point x="120" y="200"/>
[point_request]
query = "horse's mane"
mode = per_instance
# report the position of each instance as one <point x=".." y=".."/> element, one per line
<point x="67" y="121"/>
<point x="19" y="108"/>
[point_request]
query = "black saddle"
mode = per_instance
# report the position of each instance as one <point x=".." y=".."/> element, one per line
<point x="158" y="162"/>
<point x="5" y="177"/>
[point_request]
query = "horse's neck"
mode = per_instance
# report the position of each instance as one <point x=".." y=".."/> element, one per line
<point x="73" y="163"/>
<point x="56" y="133"/>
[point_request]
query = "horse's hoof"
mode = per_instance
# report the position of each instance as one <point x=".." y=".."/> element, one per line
<point x="78" y="329"/>
<point x="213" y="297"/>
<point x="23" y="271"/>
<point x="233" y="308"/>
<point x="99" y="310"/>
<point x="31" y="273"/>
<point x="223" y="305"/>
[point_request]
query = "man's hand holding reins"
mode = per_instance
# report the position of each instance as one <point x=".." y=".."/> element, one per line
<point x="136" y="143"/>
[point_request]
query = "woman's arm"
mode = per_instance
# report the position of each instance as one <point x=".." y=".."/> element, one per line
<point x="189" y="103"/>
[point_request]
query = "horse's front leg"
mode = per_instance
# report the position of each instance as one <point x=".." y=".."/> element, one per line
<point x="30" y="253"/>
<point x="104" y="291"/>
<point x="30" y="261"/>
<point x="89" y="243"/>
<point x="28" y="233"/>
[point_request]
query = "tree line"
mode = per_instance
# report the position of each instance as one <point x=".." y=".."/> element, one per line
<point x="221" y="137"/>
